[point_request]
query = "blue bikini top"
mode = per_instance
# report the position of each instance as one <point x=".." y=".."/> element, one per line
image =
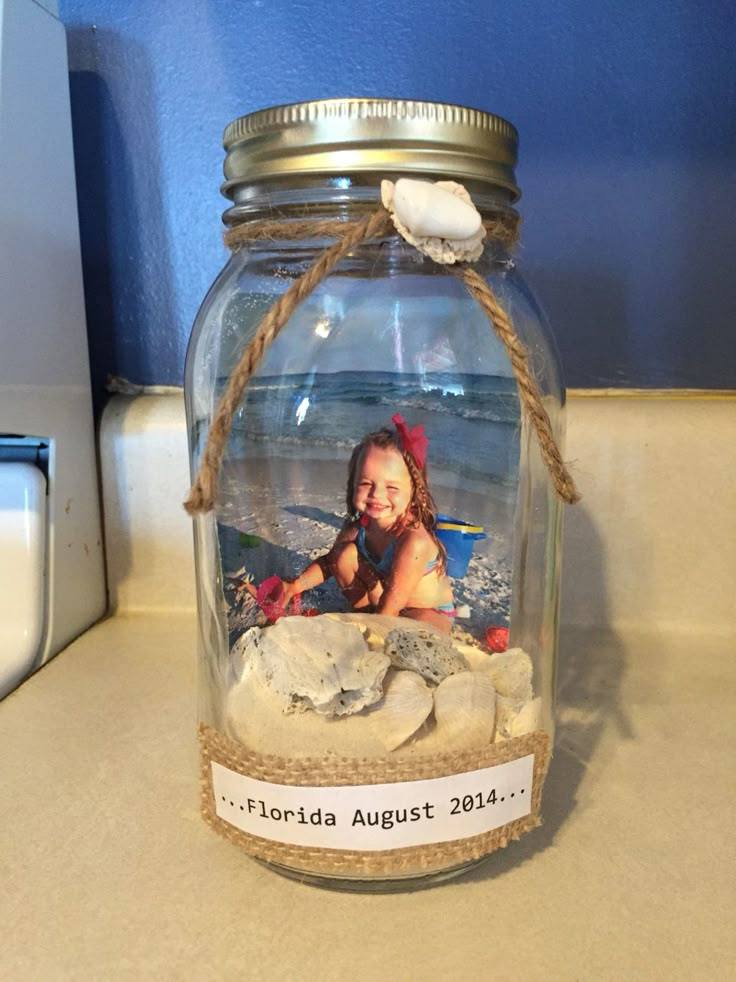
<point x="383" y="565"/>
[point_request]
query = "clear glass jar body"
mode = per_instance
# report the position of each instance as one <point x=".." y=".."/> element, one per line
<point x="388" y="331"/>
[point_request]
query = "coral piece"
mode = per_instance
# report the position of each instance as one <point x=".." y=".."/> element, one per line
<point x="315" y="663"/>
<point x="430" y="655"/>
<point x="254" y="715"/>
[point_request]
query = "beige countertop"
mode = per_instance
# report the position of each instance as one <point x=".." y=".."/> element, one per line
<point x="109" y="873"/>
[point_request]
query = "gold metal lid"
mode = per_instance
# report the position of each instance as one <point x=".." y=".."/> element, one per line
<point x="378" y="136"/>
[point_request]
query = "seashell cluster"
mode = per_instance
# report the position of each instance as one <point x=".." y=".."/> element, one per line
<point x="439" y="219"/>
<point x="366" y="685"/>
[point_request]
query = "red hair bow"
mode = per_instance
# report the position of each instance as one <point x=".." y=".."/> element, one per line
<point x="413" y="440"/>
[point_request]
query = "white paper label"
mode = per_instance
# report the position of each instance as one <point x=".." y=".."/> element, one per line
<point x="377" y="816"/>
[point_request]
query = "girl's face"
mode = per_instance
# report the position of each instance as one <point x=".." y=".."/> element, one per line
<point x="383" y="489"/>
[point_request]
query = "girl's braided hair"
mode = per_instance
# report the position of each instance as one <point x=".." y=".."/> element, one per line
<point x="422" y="510"/>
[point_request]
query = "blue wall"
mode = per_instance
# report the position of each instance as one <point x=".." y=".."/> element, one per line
<point x="627" y="116"/>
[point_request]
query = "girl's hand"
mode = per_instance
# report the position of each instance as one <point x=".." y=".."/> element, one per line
<point x="271" y="598"/>
<point x="290" y="591"/>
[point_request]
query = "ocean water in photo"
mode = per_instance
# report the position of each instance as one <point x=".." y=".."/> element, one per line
<point x="472" y="421"/>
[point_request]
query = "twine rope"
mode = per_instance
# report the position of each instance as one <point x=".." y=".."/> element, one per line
<point x="529" y="394"/>
<point x="503" y="229"/>
<point x="203" y="493"/>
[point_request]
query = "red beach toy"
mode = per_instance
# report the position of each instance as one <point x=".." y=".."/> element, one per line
<point x="270" y="598"/>
<point x="497" y="638"/>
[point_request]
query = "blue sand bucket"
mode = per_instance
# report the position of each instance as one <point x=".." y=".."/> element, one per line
<point x="457" y="537"/>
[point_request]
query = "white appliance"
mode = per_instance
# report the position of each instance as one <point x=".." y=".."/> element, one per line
<point x="52" y="579"/>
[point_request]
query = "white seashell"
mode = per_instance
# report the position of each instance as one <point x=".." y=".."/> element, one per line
<point x="438" y="246"/>
<point x="528" y="719"/>
<point x="509" y="710"/>
<point x="465" y="710"/>
<point x="405" y="706"/>
<point x="315" y="663"/>
<point x="430" y="210"/>
<point x="511" y="673"/>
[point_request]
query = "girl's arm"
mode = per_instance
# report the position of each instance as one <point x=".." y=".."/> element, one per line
<point x="318" y="571"/>
<point x="413" y="553"/>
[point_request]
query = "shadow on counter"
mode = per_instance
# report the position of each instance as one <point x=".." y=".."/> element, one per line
<point x="591" y="669"/>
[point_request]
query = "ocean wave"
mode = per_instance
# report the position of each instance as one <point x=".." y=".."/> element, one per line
<point x="298" y="440"/>
<point x="500" y="409"/>
<point x="473" y="432"/>
<point x="476" y="466"/>
<point x="508" y="414"/>
<point x="340" y="385"/>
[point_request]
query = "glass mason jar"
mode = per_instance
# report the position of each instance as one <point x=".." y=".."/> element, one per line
<point x="377" y="630"/>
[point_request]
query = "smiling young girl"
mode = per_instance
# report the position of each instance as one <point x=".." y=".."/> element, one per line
<point x="386" y="558"/>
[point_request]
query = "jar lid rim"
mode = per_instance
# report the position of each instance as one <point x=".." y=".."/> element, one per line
<point x="382" y="136"/>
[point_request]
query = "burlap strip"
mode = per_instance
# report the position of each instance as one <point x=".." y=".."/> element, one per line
<point x="337" y="772"/>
